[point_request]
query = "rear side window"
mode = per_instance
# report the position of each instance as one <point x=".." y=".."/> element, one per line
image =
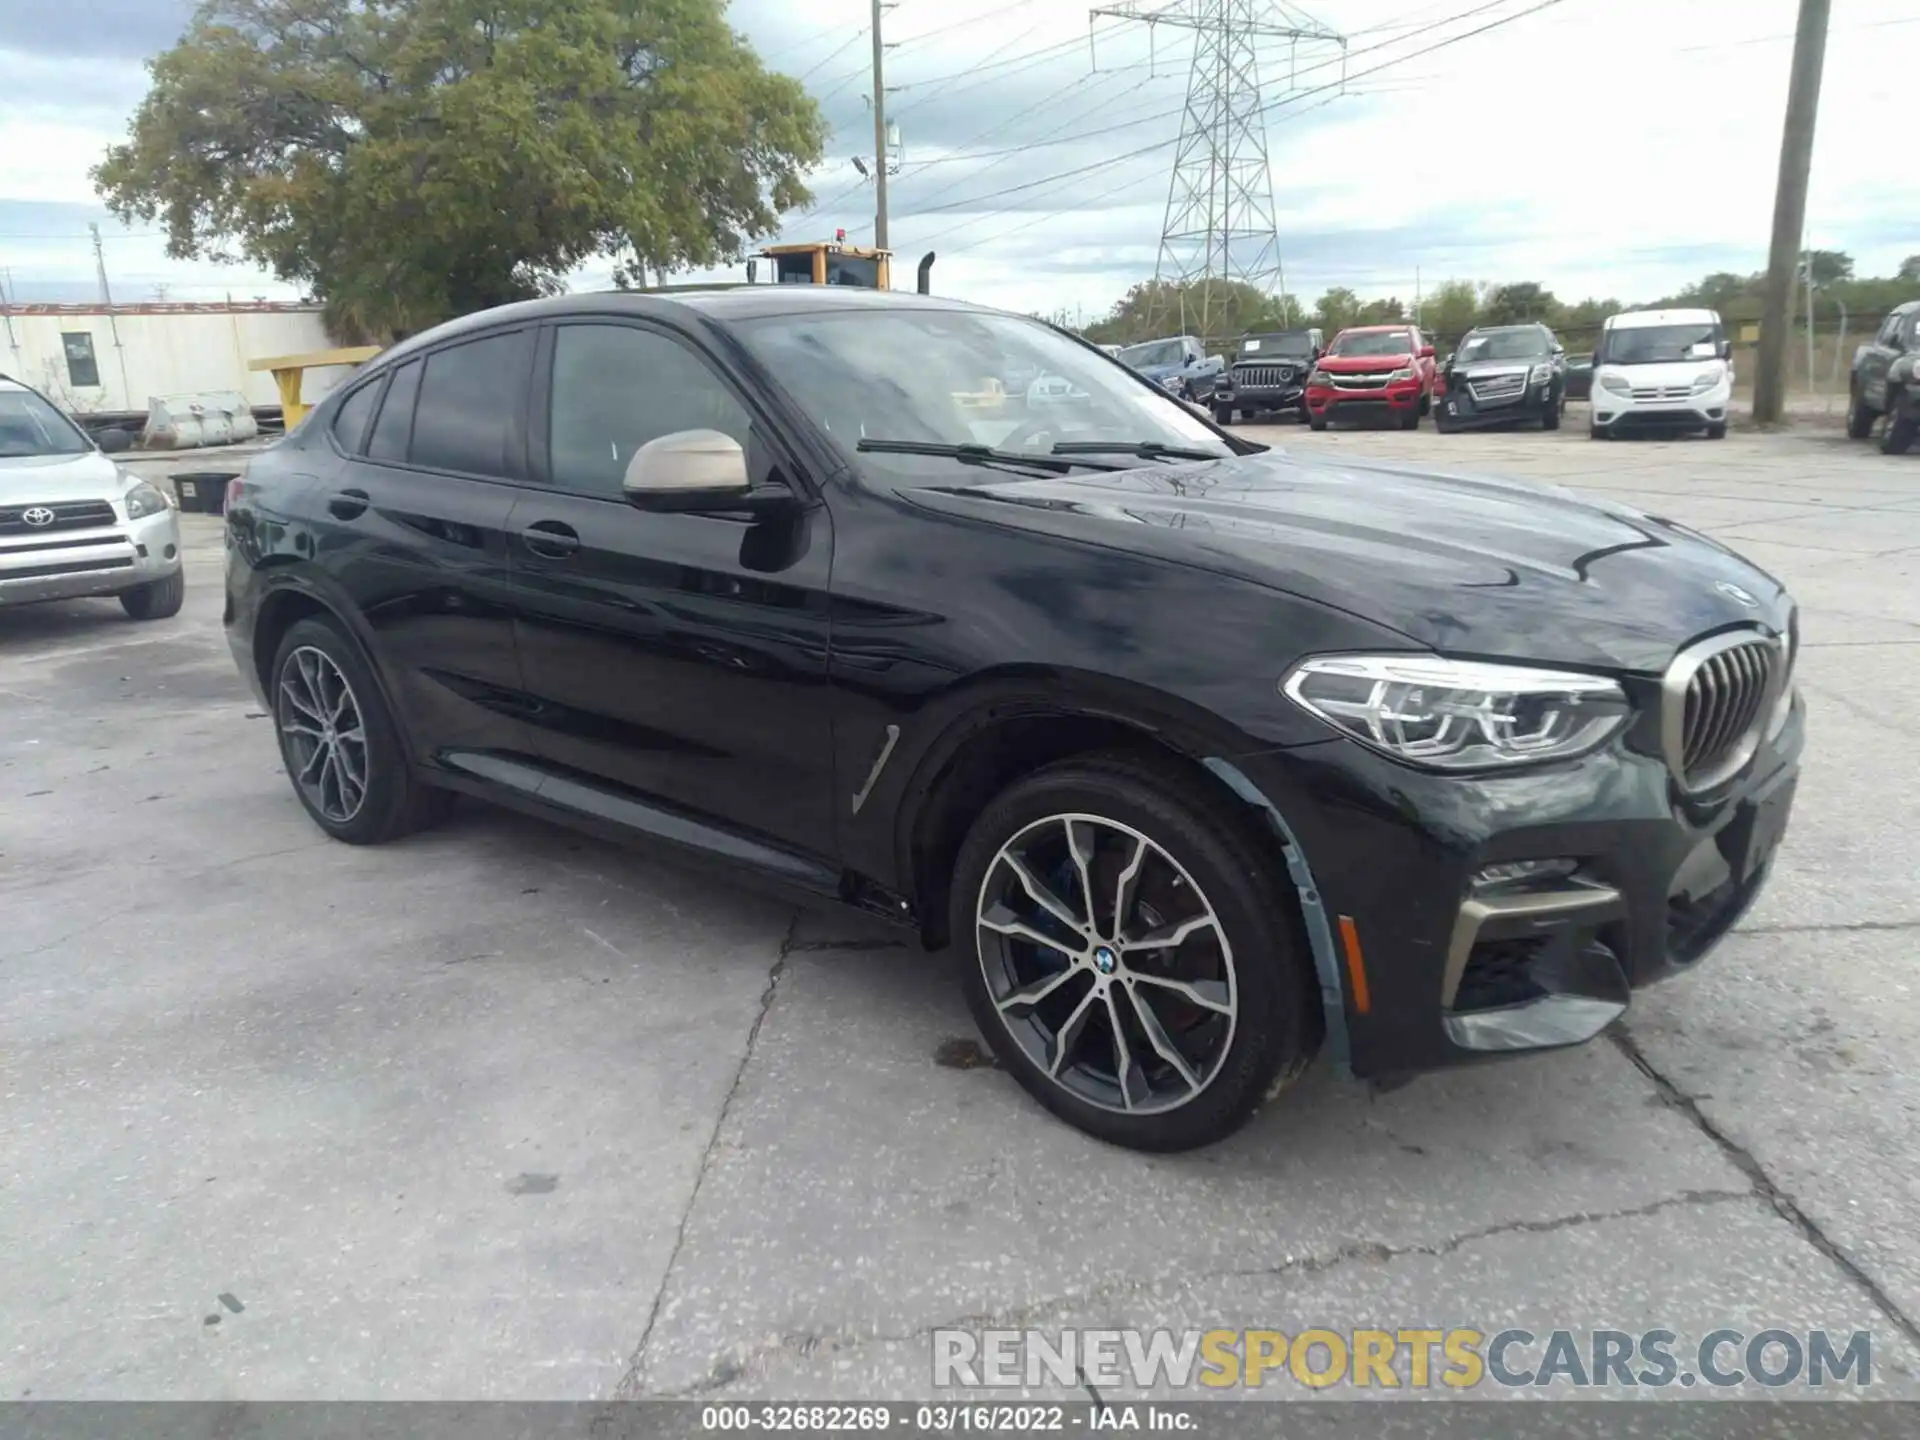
<point x="469" y="396"/>
<point x="350" y="424"/>
<point x="614" y="389"/>
<point x="390" y="433"/>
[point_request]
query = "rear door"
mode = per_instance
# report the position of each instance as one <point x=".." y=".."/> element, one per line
<point x="412" y="528"/>
<point x="680" y="658"/>
<point x="1878" y="360"/>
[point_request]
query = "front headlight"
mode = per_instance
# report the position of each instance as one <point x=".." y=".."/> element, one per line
<point x="1617" y="384"/>
<point x="143" y="500"/>
<point x="1405" y="372"/>
<point x="1319" y="377"/>
<point x="1457" y="714"/>
<point x="1783" y="707"/>
<point x="1540" y="374"/>
<point x="1707" y="379"/>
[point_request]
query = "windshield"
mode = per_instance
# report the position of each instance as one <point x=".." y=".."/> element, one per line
<point x="934" y="376"/>
<point x="1504" y="345"/>
<point x="1155" y="352"/>
<point x="30" y="426"/>
<point x="1294" y="347"/>
<point x="1659" y="344"/>
<point x="1377" y="342"/>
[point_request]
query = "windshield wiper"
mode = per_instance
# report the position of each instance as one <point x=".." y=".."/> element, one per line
<point x="982" y="455"/>
<point x="1145" y="449"/>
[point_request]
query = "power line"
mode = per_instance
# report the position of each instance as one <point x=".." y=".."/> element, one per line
<point x="832" y="55"/>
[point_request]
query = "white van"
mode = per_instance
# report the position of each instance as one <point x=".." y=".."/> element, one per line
<point x="1661" y="369"/>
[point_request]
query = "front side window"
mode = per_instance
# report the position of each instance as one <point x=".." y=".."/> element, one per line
<point x="1660" y="344"/>
<point x="853" y="270"/>
<point x="615" y="388"/>
<point x="935" y="377"/>
<point x="468" y="396"/>
<point x="1374" y="342"/>
<point x="30" y="426"/>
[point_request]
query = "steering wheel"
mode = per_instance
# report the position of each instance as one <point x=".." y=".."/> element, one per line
<point x="1024" y="435"/>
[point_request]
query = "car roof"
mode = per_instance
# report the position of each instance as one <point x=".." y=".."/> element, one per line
<point x="1377" y="329"/>
<point x="7" y="382"/>
<point x="723" y="303"/>
<point x="1635" y="319"/>
<point x="1517" y="325"/>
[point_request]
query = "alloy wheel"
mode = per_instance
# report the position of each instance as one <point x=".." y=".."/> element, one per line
<point x="322" y="734"/>
<point x="1107" y="964"/>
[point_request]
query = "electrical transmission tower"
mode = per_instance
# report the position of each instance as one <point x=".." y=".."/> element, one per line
<point x="1220" y="224"/>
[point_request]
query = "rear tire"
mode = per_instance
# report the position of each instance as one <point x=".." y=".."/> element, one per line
<point x="1860" y="415"/>
<point x="1248" y="1019"/>
<point x="315" y="663"/>
<point x="158" y="599"/>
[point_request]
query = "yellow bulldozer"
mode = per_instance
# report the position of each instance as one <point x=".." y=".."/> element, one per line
<point x="834" y="262"/>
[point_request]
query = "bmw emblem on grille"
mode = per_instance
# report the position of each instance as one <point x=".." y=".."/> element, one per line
<point x="1735" y="593"/>
<point x="37" y="515"/>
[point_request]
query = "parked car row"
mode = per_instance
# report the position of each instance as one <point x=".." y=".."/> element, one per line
<point x="1663" y="370"/>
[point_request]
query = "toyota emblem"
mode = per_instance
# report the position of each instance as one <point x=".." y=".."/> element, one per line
<point x="1735" y="593"/>
<point x="37" y="515"/>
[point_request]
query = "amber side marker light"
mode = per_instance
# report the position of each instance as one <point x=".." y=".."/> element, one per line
<point x="1356" y="965"/>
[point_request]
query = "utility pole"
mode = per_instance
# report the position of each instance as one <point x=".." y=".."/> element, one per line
<point x="879" y="131"/>
<point x="1790" y="209"/>
<point x="100" y="267"/>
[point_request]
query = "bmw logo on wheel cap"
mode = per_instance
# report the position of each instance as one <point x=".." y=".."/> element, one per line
<point x="1104" y="960"/>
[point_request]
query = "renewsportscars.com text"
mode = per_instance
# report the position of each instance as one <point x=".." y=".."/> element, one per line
<point x="1402" y="1358"/>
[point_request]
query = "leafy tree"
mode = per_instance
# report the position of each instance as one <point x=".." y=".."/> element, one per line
<point x="1381" y="312"/>
<point x="410" y="160"/>
<point x="1218" y="313"/>
<point x="1450" y="311"/>
<point x="1910" y="270"/>
<point x="1337" y="309"/>
<point x="1827" y="266"/>
<point x="1521" y="301"/>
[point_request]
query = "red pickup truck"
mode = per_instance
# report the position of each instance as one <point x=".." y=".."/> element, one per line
<point x="1373" y="372"/>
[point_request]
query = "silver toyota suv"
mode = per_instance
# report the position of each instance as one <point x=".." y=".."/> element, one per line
<point x="73" y="523"/>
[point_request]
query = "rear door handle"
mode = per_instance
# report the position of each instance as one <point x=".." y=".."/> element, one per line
<point x="348" y="505"/>
<point x="551" y="538"/>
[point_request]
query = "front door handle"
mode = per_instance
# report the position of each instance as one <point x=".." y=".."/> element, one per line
<point x="551" y="538"/>
<point x="348" y="505"/>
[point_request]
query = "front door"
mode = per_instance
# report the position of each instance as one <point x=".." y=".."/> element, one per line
<point x="680" y="658"/>
<point x="413" y="527"/>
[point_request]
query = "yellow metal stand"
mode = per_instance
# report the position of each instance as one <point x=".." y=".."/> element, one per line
<point x="287" y="370"/>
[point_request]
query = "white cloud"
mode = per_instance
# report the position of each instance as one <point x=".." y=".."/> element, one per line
<point x="1605" y="147"/>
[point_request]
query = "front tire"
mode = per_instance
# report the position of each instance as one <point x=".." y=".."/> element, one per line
<point x="1411" y="420"/>
<point x="1222" y="416"/>
<point x="1159" y="1015"/>
<point x="1903" y="424"/>
<point x="1860" y="415"/>
<point x="1555" y="408"/>
<point x="1443" y="422"/>
<point x="338" y="741"/>
<point x="1316" y="423"/>
<point x="158" y="599"/>
<point x="1717" y="432"/>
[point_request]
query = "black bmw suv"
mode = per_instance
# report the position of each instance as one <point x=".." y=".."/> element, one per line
<point x="1202" y="758"/>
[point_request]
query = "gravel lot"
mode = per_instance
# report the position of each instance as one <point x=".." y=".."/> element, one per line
<point x="505" y="1112"/>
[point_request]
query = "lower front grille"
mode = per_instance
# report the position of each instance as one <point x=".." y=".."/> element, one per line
<point x="77" y="567"/>
<point x="1359" y="382"/>
<point x="1718" y="695"/>
<point x="50" y="517"/>
<point x="1497" y="388"/>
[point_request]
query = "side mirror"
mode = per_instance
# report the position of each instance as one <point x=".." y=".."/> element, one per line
<point x="1726" y="349"/>
<point x="690" y="470"/>
<point x="1426" y="352"/>
<point x="1447" y="364"/>
<point x="114" y="442"/>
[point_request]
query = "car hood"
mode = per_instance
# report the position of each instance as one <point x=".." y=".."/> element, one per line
<point x="25" y="479"/>
<point x="1363" y="364"/>
<point x="1466" y="565"/>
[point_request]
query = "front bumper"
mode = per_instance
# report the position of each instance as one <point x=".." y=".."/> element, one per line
<point x="1331" y="402"/>
<point x="1463" y="408"/>
<point x="72" y="564"/>
<point x="1255" y="398"/>
<point x="1431" y="969"/>
<point x="1670" y="412"/>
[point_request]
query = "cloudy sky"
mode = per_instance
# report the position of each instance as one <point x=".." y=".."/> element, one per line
<point x="1602" y="147"/>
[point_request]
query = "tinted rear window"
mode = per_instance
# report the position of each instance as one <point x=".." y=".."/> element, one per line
<point x="389" y="441"/>
<point x="468" y="398"/>
<point x="350" y="425"/>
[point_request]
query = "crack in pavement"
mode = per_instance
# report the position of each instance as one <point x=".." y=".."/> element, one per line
<point x="628" y="1386"/>
<point x="1764" y="1186"/>
<point x="741" y="1363"/>
<point x="1842" y="926"/>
